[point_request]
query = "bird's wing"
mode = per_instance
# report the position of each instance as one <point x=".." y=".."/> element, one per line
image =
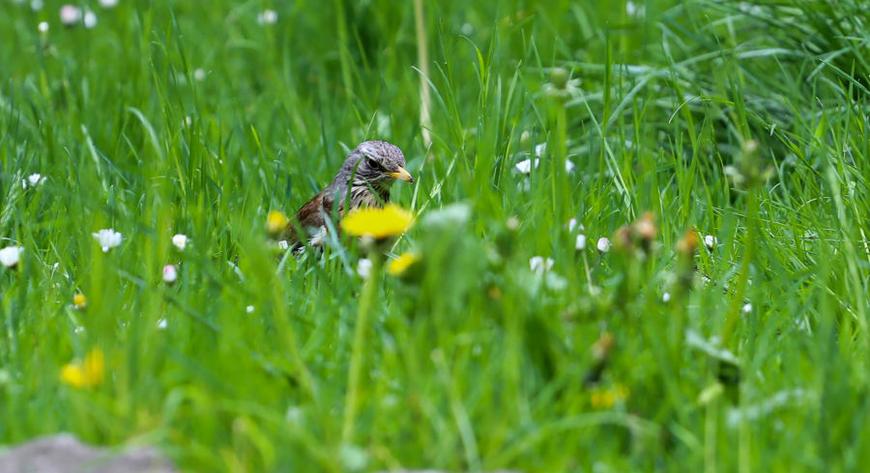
<point x="310" y="215"/>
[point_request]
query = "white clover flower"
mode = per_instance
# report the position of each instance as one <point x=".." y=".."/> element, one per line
<point x="161" y="324"/>
<point x="34" y="179"/>
<point x="170" y="274"/>
<point x="70" y="15"/>
<point x="249" y="309"/>
<point x="108" y="3"/>
<point x="525" y="166"/>
<point x="539" y="264"/>
<point x="747" y="308"/>
<point x="666" y="297"/>
<point x="364" y="268"/>
<point x="180" y="241"/>
<point x="90" y="19"/>
<point x="540" y="149"/>
<point x="572" y="224"/>
<point x="603" y="244"/>
<point x="108" y="238"/>
<point x="267" y="17"/>
<point x="199" y="74"/>
<point x="710" y="241"/>
<point x="283" y="244"/>
<point x="42" y="27"/>
<point x="11" y="255"/>
<point x="580" y="242"/>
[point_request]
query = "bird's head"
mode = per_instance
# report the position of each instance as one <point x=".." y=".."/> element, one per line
<point x="377" y="163"/>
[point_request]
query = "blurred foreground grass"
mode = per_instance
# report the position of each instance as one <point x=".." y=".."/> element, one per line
<point x="746" y="122"/>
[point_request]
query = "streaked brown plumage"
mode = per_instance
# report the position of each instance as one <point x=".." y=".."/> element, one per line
<point x="368" y="172"/>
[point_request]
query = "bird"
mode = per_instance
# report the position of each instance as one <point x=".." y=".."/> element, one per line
<point x="364" y="180"/>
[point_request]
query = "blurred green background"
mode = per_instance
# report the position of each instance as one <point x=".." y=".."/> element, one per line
<point x="746" y="122"/>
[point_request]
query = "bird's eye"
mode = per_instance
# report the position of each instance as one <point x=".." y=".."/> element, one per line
<point x="374" y="163"/>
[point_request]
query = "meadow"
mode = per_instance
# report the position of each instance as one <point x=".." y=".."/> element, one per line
<point x="640" y="238"/>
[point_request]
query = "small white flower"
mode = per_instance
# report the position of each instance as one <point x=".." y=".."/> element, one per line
<point x="666" y="297"/>
<point x="540" y="149"/>
<point x="525" y="166"/>
<point x="170" y="274"/>
<point x="539" y="264"/>
<point x="34" y="179"/>
<point x="10" y="256"/>
<point x="108" y="3"/>
<point x="108" y="238"/>
<point x="580" y="242"/>
<point x="249" y="309"/>
<point x="199" y="74"/>
<point x="747" y="308"/>
<point x="569" y="165"/>
<point x="364" y="268"/>
<point x="36" y="5"/>
<point x="42" y="27"/>
<point x="161" y="324"/>
<point x="572" y="224"/>
<point x="90" y="19"/>
<point x="267" y="17"/>
<point x="70" y="15"/>
<point x="603" y="245"/>
<point x="710" y="241"/>
<point x="180" y="241"/>
<point x="283" y="244"/>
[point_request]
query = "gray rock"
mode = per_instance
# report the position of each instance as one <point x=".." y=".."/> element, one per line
<point x="63" y="453"/>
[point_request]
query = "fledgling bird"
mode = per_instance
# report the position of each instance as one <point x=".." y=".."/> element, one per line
<point x="364" y="180"/>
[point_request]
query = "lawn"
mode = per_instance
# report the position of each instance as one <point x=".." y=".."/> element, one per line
<point x="640" y="237"/>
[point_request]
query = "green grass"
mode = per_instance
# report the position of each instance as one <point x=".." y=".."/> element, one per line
<point x="476" y="363"/>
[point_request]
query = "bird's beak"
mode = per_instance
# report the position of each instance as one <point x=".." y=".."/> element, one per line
<point x="401" y="175"/>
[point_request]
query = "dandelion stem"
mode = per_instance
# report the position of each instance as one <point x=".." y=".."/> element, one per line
<point x="358" y="350"/>
<point x="743" y="279"/>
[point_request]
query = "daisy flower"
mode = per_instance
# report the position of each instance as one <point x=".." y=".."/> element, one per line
<point x="11" y="255"/>
<point x="267" y="17"/>
<point x="539" y="264"/>
<point x="70" y="15"/>
<point x="180" y="241"/>
<point x="170" y="274"/>
<point x="108" y="238"/>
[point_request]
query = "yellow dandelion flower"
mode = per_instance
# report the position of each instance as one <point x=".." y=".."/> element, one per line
<point x="377" y="223"/>
<point x="276" y="222"/>
<point x="401" y="264"/>
<point x="607" y="398"/>
<point x="89" y="372"/>
<point x="80" y="301"/>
